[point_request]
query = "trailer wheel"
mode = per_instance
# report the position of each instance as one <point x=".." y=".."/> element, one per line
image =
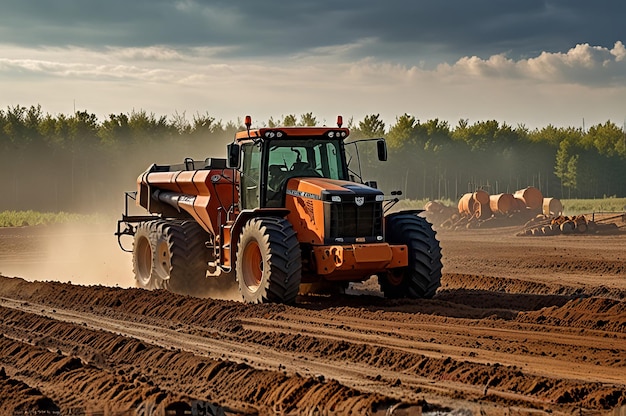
<point x="181" y="257"/>
<point x="143" y="255"/>
<point x="422" y="277"/>
<point x="170" y="255"/>
<point x="268" y="265"/>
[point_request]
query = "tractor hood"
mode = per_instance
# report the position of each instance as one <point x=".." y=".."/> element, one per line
<point x="328" y="212"/>
<point x="333" y="190"/>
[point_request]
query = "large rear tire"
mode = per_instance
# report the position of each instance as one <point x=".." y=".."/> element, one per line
<point x="268" y="265"/>
<point x="422" y="277"/>
<point x="170" y="255"/>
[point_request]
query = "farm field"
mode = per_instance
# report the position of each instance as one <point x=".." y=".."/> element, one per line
<point x="520" y="325"/>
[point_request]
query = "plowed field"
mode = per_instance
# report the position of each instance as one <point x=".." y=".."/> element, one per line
<point x="521" y="325"/>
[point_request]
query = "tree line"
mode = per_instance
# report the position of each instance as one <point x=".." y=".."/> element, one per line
<point x="78" y="163"/>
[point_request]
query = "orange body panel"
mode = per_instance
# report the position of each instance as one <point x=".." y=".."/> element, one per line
<point x="206" y="192"/>
<point x="306" y="208"/>
<point x="341" y="262"/>
<point x="306" y="211"/>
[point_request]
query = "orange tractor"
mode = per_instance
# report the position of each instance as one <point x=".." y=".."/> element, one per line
<point x="281" y="210"/>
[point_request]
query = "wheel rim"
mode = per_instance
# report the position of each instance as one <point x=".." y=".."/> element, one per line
<point x="144" y="261"/>
<point x="252" y="266"/>
<point x="163" y="265"/>
<point x="395" y="277"/>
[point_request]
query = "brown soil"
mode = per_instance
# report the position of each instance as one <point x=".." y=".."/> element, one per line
<point x="519" y="326"/>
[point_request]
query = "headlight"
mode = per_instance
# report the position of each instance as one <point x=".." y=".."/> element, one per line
<point x="380" y="198"/>
<point x="335" y="198"/>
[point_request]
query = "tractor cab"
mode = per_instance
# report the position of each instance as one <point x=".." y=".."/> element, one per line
<point x="268" y="157"/>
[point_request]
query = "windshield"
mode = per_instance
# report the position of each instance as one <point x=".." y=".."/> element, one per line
<point x="322" y="158"/>
<point x="302" y="158"/>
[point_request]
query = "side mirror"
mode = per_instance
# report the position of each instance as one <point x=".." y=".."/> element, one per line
<point x="381" y="147"/>
<point x="234" y="150"/>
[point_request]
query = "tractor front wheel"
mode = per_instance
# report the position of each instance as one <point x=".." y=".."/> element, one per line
<point x="268" y="265"/>
<point x="422" y="277"/>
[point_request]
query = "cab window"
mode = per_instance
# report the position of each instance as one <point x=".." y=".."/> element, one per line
<point x="250" y="175"/>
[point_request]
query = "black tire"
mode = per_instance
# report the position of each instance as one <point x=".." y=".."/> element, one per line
<point x="178" y="259"/>
<point x="422" y="277"/>
<point x="268" y="265"/>
<point x="181" y="256"/>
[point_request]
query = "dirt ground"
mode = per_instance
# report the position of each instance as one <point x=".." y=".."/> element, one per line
<point x="520" y="326"/>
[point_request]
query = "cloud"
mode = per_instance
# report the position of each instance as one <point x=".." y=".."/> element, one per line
<point x="582" y="64"/>
<point x="151" y="53"/>
<point x="591" y="66"/>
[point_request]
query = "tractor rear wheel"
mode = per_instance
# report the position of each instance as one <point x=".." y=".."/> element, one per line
<point x="422" y="277"/>
<point x="268" y="265"/>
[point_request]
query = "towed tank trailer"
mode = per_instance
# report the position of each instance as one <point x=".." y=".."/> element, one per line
<point x="283" y="209"/>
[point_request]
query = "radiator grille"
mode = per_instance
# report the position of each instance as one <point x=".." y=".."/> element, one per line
<point x="347" y="220"/>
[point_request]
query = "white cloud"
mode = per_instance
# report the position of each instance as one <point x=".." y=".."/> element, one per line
<point x="158" y="53"/>
<point x="583" y="64"/>
<point x="619" y="51"/>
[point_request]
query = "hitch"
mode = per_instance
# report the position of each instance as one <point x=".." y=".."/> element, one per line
<point x="127" y="221"/>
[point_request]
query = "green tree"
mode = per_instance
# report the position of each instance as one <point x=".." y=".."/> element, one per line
<point x="403" y="133"/>
<point x="307" y="120"/>
<point x="115" y="130"/>
<point x="290" y="120"/>
<point x="607" y="138"/>
<point x="566" y="167"/>
<point x="271" y="123"/>
<point x="371" y="126"/>
<point x="572" y="174"/>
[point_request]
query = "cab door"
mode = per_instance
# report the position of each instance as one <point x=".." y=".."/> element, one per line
<point x="250" y="176"/>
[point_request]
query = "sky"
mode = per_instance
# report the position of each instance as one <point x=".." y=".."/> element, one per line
<point x="530" y="62"/>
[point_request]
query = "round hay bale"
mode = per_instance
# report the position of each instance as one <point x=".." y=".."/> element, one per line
<point x="502" y="203"/>
<point x="483" y="209"/>
<point x="532" y="197"/>
<point x="552" y="206"/>
<point x="482" y="197"/>
<point x="466" y="204"/>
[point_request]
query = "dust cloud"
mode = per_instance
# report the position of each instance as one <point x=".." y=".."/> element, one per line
<point x="81" y="254"/>
<point x="94" y="183"/>
<point x="84" y="255"/>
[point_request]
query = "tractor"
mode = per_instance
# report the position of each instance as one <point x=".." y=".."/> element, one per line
<point x="282" y="210"/>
